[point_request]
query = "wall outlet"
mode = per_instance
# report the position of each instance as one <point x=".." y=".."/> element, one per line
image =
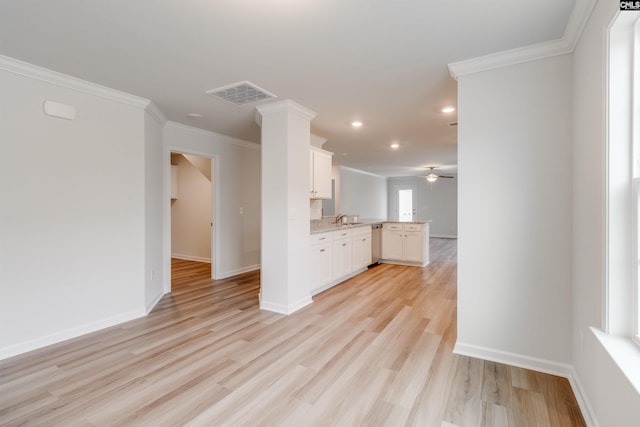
<point x="153" y="274"/>
<point x="241" y="210"/>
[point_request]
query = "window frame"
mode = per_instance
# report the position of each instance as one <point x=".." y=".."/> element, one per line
<point x="621" y="313"/>
<point x="636" y="256"/>
<point x="635" y="178"/>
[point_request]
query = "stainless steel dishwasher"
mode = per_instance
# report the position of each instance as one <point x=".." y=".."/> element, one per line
<point x="376" y="243"/>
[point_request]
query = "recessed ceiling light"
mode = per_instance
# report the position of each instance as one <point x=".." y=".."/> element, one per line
<point x="356" y="124"/>
<point x="194" y="116"/>
<point x="448" y="109"/>
<point x="395" y="145"/>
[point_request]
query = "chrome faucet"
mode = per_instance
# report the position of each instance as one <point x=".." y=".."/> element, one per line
<point x="339" y="217"/>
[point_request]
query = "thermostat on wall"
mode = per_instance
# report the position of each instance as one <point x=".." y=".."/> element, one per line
<point x="56" y="109"/>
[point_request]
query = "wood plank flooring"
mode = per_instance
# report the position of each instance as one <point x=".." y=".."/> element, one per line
<point x="373" y="351"/>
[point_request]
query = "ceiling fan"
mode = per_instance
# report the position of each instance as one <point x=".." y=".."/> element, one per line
<point x="432" y="176"/>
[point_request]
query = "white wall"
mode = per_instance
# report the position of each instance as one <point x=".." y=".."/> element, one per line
<point x="154" y="280"/>
<point x="72" y="212"/>
<point x="363" y="194"/>
<point x="236" y="185"/>
<point x="191" y="212"/>
<point x="614" y="401"/>
<point x="437" y="202"/>
<point x="514" y="186"/>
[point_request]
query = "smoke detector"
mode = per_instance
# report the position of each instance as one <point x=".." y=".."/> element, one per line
<point x="241" y="93"/>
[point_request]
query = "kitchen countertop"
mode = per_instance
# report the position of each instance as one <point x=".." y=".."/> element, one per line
<point x="323" y="227"/>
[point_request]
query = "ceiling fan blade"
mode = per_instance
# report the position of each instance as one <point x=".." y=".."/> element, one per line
<point x="445" y="176"/>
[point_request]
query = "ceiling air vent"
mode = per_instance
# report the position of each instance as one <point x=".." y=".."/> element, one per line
<point x="453" y="123"/>
<point x="241" y="93"/>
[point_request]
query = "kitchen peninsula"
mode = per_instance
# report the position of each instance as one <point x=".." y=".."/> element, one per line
<point x="340" y="251"/>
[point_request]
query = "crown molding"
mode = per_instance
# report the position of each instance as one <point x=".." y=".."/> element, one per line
<point x="509" y="57"/>
<point x="577" y="20"/>
<point x="363" y="172"/>
<point x="26" y="69"/>
<point x="155" y="113"/>
<point x="285" y="105"/>
<point x="217" y="136"/>
<point x="317" y="141"/>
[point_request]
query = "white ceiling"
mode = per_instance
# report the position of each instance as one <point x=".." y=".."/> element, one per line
<point x="380" y="61"/>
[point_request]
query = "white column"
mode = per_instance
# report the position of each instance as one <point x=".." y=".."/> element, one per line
<point x="285" y="263"/>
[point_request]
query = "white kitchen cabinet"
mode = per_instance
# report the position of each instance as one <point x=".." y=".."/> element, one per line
<point x="361" y="242"/>
<point x="321" y="262"/>
<point x="338" y="255"/>
<point x="412" y="246"/>
<point x="405" y="243"/>
<point x="392" y="244"/>
<point x="342" y="257"/>
<point x="320" y="173"/>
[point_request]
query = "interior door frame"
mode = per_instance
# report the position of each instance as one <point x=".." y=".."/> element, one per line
<point x="396" y="189"/>
<point x="215" y="210"/>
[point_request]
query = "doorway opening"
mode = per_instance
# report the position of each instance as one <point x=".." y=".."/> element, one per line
<point x="191" y="218"/>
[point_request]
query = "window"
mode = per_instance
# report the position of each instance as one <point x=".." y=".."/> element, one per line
<point x="405" y="205"/>
<point x="405" y="202"/>
<point x="622" y="307"/>
<point x="634" y="126"/>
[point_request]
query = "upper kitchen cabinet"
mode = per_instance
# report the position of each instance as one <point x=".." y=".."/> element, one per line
<point x="320" y="173"/>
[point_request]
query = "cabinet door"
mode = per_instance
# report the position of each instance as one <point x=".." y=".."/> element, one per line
<point x="321" y="175"/>
<point x="321" y="264"/>
<point x="342" y="255"/>
<point x="392" y="244"/>
<point x="425" y="244"/>
<point x="361" y="251"/>
<point x="311" y="174"/>
<point x="412" y="246"/>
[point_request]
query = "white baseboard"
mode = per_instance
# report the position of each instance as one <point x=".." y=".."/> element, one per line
<point x="23" y="347"/>
<point x="585" y="406"/>
<point x="519" y="360"/>
<point x="191" y="258"/>
<point x="333" y="283"/>
<point x="409" y="264"/>
<point x="535" y="364"/>
<point x="154" y="301"/>
<point x="444" y="236"/>
<point x="282" y="309"/>
<point x="225" y="274"/>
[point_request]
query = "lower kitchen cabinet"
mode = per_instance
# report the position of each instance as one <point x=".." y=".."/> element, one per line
<point x="338" y="255"/>
<point x="321" y="262"/>
<point x="342" y="258"/>
<point x="392" y="244"/>
<point x="361" y="248"/>
<point x="412" y="246"/>
<point x="404" y="243"/>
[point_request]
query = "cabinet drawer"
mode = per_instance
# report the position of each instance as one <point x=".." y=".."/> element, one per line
<point x="321" y="237"/>
<point x="361" y="231"/>
<point x="391" y="226"/>
<point x="412" y="227"/>
<point x="341" y="234"/>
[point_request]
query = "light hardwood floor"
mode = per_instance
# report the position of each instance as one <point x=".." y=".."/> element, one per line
<point x="374" y="351"/>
